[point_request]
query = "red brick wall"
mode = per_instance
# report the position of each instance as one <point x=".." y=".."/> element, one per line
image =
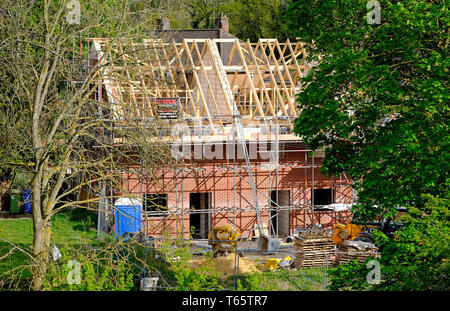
<point x="293" y="175"/>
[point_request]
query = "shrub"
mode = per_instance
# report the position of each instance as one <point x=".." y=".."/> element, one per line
<point x="417" y="258"/>
<point x="177" y="256"/>
<point x="109" y="267"/>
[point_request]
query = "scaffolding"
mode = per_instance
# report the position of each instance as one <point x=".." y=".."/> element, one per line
<point x="246" y="96"/>
<point x="251" y="88"/>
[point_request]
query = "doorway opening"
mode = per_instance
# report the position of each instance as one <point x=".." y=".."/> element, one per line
<point x="199" y="218"/>
<point x="280" y="222"/>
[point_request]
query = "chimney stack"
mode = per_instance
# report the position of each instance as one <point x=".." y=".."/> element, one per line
<point x="163" y="23"/>
<point x="222" y="23"/>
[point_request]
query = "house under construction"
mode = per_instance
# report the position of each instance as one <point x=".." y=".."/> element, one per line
<point x="234" y="104"/>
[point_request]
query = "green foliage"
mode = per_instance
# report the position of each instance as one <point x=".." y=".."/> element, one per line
<point x="177" y="256"/>
<point x="416" y="259"/>
<point x="109" y="267"/>
<point x="282" y="279"/>
<point x="68" y="228"/>
<point x="201" y="12"/>
<point x="254" y="19"/>
<point x="349" y="276"/>
<point x="377" y="103"/>
<point x="250" y="282"/>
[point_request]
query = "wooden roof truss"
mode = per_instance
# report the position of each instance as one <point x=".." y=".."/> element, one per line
<point x="259" y="79"/>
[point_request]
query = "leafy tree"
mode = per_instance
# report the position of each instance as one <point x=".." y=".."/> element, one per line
<point x="416" y="259"/>
<point x="202" y="12"/>
<point x="13" y="143"/>
<point x="110" y="266"/>
<point x="254" y="19"/>
<point x="377" y="102"/>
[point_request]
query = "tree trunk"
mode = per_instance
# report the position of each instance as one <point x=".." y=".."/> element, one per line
<point x="41" y="237"/>
<point x="41" y="252"/>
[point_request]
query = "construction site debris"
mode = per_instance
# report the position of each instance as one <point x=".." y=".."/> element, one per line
<point x="361" y="257"/>
<point x="286" y="262"/>
<point x="274" y="263"/>
<point x="356" y="250"/>
<point x="315" y="231"/>
<point x="358" y="245"/>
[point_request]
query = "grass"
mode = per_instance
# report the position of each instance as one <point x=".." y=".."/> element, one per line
<point x="77" y="227"/>
<point x="68" y="228"/>
<point x="306" y="279"/>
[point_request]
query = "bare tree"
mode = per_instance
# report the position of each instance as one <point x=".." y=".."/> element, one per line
<point x="71" y="134"/>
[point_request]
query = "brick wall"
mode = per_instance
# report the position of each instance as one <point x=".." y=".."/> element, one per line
<point x="294" y="174"/>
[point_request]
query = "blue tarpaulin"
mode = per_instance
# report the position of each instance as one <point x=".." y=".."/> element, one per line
<point x="127" y="216"/>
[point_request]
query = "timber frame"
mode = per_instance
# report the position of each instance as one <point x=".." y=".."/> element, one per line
<point x="259" y="79"/>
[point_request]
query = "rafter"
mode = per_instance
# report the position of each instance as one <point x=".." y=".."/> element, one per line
<point x="260" y="77"/>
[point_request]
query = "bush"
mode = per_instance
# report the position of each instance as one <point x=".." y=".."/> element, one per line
<point x="416" y="259"/>
<point x="178" y="257"/>
<point x="250" y="282"/>
<point x="110" y="266"/>
<point x="305" y="279"/>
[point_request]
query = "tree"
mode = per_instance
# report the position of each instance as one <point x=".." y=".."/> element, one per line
<point x="377" y="102"/>
<point x="254" y="19"/>
<point x="54" y="97"/>
<point x="202" y="12"/>
<point x="11" y="144"/>
<point x="416" y="259"/>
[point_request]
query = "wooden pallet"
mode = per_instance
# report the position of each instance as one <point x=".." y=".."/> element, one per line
<point x="311" y="242"/>
<point x="313" y="248"/>
<point x="314" y="233"/>
<point x="312" y="255"/>
<point x="316" y="248"/>
<point x="312" y="262"/>
<point x="312" y="239"/>
<point x="361" y="257"/>
<point x="319" y="247"/>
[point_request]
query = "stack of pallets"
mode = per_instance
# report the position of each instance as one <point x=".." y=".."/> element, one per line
<point x="314" y="249"/>
<point x="360" y="256"/>
<point x="347" y="254"/>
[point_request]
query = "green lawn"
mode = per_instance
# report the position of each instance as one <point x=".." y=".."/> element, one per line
<point x="71" y="228"/>
<point x="67" y="228"/>
<point x="78" y="228"/>
<point x="306" y="279"/>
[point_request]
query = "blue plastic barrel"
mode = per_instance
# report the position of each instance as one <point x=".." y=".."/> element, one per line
<point x="127" y="216"/>
<point x="27" y="202"/>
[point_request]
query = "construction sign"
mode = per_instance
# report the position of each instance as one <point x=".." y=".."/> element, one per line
<point x="167" y="107"/>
